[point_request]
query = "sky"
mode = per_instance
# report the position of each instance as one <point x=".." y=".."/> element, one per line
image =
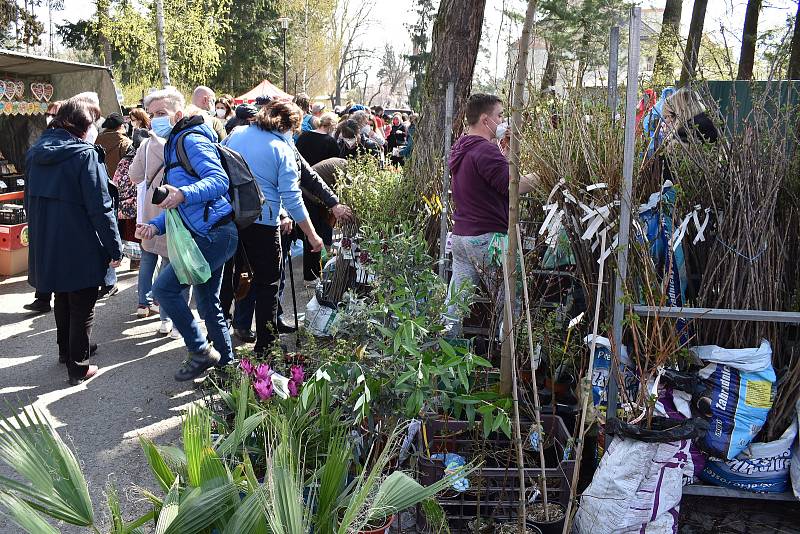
<point x="390" y="18"/>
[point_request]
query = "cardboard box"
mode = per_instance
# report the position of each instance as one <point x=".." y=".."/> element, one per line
<point x="13" y="261"/>
<point x="14" y="236"/>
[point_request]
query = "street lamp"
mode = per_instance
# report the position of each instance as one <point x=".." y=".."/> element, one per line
<point x="285" y="27"/>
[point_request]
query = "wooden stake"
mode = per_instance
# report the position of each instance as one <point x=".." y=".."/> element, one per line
<point x="507" y="358"/>
<point x="537" y="410"/>
<point x="509" y="320"/>
<point x="586" y="383"/>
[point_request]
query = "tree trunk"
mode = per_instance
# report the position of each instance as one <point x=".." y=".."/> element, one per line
<point x="664" y="69"/>
<point x="693" y="42"/>
<point x="452" y="59"/>
<point x="102" y="21"/>
<point x="794" y="58"/>
<point x="163" y="65"/>
<point x="550" y="74"/>
<point x="749" y="34"/>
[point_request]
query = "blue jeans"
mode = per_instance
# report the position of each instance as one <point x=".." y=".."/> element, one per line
<point x="147" y="268"/>
<point x="217" y="248"/>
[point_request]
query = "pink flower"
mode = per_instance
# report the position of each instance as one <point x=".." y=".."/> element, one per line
<point x="263" y="372"/>
<point x="297" y="374"/>
<point x="263" y="389"/>
<point x="246" y="366"/>
<point x="294" y="389"/>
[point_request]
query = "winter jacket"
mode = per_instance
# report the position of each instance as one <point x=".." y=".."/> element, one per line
<point x="73" y="228"/>
<point x="205" y="195"/>
<point x="115" y="144"/>
<point x="406" y="150"/>
<point x="148" y="166"/>
<point x="274" y="162"/>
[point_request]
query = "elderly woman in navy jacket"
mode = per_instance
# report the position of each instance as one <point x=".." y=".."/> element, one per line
<point x="74" y="241"/>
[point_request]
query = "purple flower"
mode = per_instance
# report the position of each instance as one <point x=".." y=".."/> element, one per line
<point x="263" y="372"/>
<point x="263" y="389"/>
<point x="294" y="388"/>
<point x="246" y="366"/>
<point x="296" y="374"/>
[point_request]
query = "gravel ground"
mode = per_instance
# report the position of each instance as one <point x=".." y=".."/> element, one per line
<point x="133" y="395"/>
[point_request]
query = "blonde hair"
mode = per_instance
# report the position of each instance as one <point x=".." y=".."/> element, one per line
<point x="328" y="120"/>
<point x="173" y="99"/>
<point x="684" y="104"/>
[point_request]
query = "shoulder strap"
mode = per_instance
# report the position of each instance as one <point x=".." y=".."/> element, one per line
<point x="183" y="157"/>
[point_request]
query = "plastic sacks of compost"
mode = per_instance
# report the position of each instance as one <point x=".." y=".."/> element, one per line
<point x="794" y="469"/>
<point x="760" y="467"/>
<point x="739" y="390"/>
<point x="639" y="483"/>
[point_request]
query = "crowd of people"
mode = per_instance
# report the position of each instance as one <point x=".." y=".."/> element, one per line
<point x="95" y="185"/>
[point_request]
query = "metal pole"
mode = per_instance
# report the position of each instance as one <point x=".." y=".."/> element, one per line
<point x="631" y="100"/>
<point x="613" y="68"/>
<point x="448" y="138"/>
<point x="285" y="85"/>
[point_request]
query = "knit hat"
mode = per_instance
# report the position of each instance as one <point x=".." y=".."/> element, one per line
<point x="246" y="111"/>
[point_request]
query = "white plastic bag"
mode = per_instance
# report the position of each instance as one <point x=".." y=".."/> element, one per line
<point x="794" y="469"/>
<point x="319" y="318"/>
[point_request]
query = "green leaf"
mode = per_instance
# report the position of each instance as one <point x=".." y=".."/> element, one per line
<point x="200" y="508"/>
<point x="164" y="475"/>
<point x="447" y="348"/>
<point x="169" y="511"/>
<point x="482" y="362"/>
<point x="25" y="516"/>
<point x="487" y="425"/>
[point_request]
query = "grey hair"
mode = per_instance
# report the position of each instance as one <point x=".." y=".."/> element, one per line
<point x="89" y="96"/>
<point x="361" y="117"/>
<point x="173" y="99"/>
<point x="202" y="90"/>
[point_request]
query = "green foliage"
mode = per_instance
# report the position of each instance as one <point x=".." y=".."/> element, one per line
<point x="419" y="37"/>
<point x="376" y="194"/>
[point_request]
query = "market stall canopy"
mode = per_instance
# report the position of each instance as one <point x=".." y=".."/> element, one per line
<point x="68" y="78"/>
<point x="28" y="83"/>
<point x="265" y="88"/>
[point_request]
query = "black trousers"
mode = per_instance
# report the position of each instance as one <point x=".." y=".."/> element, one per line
<point x="43" y="295"/>
<point x="312" y="261"/>
<point x="262" y="244"/>
<point x="74" y="312"/>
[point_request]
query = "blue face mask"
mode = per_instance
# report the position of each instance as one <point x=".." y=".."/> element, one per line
<point x="161" y="126"/>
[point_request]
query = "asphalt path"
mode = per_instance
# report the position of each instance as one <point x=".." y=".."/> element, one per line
<point x="134" y="393"/>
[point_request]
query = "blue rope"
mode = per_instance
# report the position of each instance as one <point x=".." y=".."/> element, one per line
<point x="748" y="258"/>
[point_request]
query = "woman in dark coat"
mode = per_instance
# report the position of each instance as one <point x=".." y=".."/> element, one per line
<point x="74" y="240"/>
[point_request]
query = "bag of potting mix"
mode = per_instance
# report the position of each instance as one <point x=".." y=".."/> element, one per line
<point x="739" y="390"/>
<point x="601" y="369"/>
<point x="794" y="469"/>
<point x="761" y="467"/>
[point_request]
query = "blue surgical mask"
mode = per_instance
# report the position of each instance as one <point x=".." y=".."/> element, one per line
<point x="161" y="126"/>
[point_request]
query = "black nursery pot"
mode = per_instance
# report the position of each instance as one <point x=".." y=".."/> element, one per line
<point x="550" y="527"/>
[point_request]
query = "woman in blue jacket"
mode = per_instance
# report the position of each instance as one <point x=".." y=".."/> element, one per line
<point x="201" y="201"/>
<point x="74" y="241"/>
<point x="268" y="148"/>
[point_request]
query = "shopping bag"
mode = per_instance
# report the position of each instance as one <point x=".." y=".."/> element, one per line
<point x="190" y="266"/>
<point x="131" y="250"/>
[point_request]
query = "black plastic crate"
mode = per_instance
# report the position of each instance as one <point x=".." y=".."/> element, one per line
<point x="12" y="215"/>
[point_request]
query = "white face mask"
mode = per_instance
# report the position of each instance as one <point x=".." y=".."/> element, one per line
<point x="220" y="113"/>
<point x="91" y="135"/>
<point x="501" y="130"/>
<point x="48" y="120"/>
<point x="349" y="142"/>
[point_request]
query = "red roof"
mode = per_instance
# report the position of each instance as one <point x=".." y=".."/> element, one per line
<point x="265" y="88"/>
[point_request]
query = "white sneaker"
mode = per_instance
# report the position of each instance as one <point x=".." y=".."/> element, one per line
<point x="175" y="334"/>
<point x="142" y="312"/>
<point x="166" y="327"/>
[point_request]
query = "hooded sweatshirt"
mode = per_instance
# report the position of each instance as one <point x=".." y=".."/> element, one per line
<point x="72" y="229"/>
<point x="480" y="187"/>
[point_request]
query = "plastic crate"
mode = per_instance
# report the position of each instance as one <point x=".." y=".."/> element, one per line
<point x="494" y="486"/>
<point x="12" y="214"/>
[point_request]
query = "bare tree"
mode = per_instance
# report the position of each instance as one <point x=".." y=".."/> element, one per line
<point x="348" y="27"/>
<point x="693" y="42"/>
<point x="664" y="71"/>
<point x="394" y="68"/>
<point x="794" y="58"/>
<point x="749" y="35"/>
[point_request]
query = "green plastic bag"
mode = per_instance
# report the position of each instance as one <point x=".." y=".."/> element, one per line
<point x="190" y="266"/>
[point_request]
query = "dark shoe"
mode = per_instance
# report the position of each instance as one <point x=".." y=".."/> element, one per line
<point x="197" y="364"/>
<point x="108" y="291"/>
<point x="284" y="328"/>
<point x="244" y="334"/>
<point x="90" y="372"/>
<point x="62" y="358"/>
<point x="38" y="306"/>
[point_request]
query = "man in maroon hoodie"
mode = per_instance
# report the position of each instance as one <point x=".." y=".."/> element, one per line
<point x="479" y="173"/>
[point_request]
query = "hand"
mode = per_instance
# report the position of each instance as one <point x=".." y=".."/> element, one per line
<point x="286" y="225"/>
<point x="342" y="212"/>
<point x="146" y="231"/>
<point x="315" y="242"/>
<point x="114" y="263"/>
<point x="174" y="198"/>
<point x="505" y="142"/>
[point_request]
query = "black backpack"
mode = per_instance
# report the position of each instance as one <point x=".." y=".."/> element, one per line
<point x="245" y="194"/>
